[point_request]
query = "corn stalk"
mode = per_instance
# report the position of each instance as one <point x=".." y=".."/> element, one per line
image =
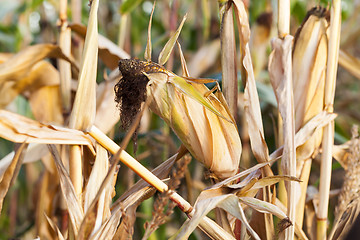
<point x="328" y="137"/>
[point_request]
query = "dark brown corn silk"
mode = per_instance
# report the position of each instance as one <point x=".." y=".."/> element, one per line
<point x="130" y="91"/>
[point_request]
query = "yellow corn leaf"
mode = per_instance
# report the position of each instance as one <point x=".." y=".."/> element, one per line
<point x="17" y="128"/>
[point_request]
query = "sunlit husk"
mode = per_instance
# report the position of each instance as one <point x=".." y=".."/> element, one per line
<point x="309" y="70"/>
<point x="211" y="139"/>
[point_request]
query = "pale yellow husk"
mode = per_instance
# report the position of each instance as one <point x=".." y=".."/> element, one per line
<point x="210" y="138"/>
<point x="309" y="69"/>
<point x="309" y="72"/>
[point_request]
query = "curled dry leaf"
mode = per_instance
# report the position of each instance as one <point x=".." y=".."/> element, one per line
<point x="229" y="198"/>
<point x="41" y="74"/>
<point x="19" y="65"/>
<point x="55" y="228"/>
<point x="251" y="98"/>
<point x="280" y="70"/>
<point x="228" y="202"/>
<point x="17" y="128"/>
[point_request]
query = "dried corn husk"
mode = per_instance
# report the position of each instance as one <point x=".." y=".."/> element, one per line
<point x="206" y="128"/>
<point x="309" y="69"/>
<point x="203" y="124"/>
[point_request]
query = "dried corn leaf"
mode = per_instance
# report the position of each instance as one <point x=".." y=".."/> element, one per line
<point x="45" y="104"/>
<point x="19" y="65"/>
<point x="228" y="202"/>
<point x="108" y="229"/>
<point x="350" y="63"/>
<point x="55" y="228"/>
<point x="185" y="71"/>
<point x="17" y="128"/>
<point x="10" y="174"/>
<point x="160" y="171"/>
<point x="266" y="181"/>
<point x="76" y="212"/>
<point x="166" y="51"/>
<point x="251" y="99"/>
<point x="84" y="108"/>
<point x="263" y="206"/>
<point x="280" y="70"/>
<point x="97" y="175"/>
<point x="40" y="75"/>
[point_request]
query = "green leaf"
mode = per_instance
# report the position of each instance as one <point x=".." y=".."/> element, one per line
<point x="129" y="5"/>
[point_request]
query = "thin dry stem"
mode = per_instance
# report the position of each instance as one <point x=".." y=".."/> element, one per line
<point x="206" y="224"/>
<point x="283" y="18"/>
<point x="75" y="166"/>
<point x="328" y="137"/>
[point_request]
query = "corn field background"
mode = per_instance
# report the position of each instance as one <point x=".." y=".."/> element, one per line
<point x="96" y="146"/>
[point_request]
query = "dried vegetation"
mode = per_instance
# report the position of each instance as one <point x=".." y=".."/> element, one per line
<point x="72" y="99"/>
